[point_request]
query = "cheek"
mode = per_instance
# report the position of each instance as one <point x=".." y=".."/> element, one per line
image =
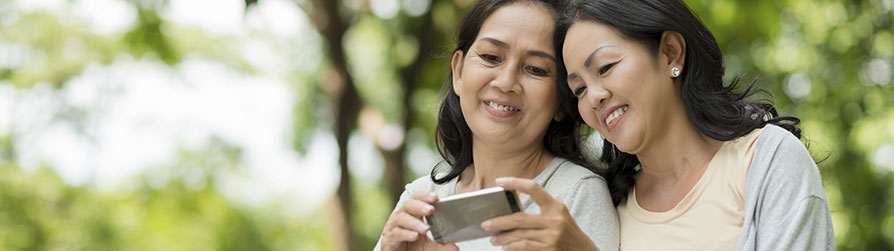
<point x="587" y="114"/>
<point x="543" y="94"/>
<point x="474" y="75"/>
<point x="547" y="95"/>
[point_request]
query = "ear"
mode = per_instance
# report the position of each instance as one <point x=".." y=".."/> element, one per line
<point x="673" y="48"/>
<point x="456" y="68"/>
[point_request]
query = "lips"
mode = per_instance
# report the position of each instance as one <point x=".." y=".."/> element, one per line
<point x="499" y="108"/>
<point x="610" y="116"/>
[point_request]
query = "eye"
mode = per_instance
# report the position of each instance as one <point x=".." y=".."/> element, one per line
<point x="490" y="58"/>
<point x="537" y="71"/>
<point x="605" y="68"/>
<point x="580" y="91"/>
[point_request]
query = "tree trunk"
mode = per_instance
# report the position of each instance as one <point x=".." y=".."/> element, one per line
<point x="346" y="106"/>
<point x="395" y="170"/>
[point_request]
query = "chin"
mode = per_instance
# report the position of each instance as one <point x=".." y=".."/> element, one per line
<point x="624" y="145"/>
<point x="625" y="150"/>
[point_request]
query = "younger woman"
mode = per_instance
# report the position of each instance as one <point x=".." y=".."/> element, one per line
<point x="692" y="165"/>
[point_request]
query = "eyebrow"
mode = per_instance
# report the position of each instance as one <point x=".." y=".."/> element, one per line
<point x="590" y="57"/>
<point x="543" y="54"/>
<point x="532" y="52"/>
<point x="496" y="42"/>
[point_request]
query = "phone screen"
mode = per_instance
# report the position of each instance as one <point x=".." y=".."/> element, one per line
<point x="458" y="218"/>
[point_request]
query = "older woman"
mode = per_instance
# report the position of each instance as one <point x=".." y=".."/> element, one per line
<point x="692" y="164"/>
<point x="501" y="118"/>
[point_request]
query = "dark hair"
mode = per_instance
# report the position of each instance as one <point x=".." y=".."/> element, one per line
<point x="718" y="111"/>
<point x="453" y="136"/>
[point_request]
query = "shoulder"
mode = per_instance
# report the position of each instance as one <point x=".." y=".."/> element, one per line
<point x="776" y="145"/>
<point x="773" y="136"/>
<point x="571" y="180"/>
<point x="421" y="184"/>
<point x="569" y="172"/>
<point x="781" y="162"/>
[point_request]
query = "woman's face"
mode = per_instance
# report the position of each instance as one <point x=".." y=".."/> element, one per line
<point x="506" y="80"/>
<point x="623" y="89"/>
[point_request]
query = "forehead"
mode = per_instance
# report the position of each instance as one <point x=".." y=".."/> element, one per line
<point x="586" y="34"/>
<point x="513" y="22"/>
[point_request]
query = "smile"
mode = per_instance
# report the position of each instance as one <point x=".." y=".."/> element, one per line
<point x="614" y="115"/>
<point x="502" y="108"/>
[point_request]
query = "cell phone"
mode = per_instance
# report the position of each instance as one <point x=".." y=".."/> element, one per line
<point x="458" y="218"/>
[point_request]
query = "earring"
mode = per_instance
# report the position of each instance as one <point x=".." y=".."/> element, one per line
<point x="675" y="72"/>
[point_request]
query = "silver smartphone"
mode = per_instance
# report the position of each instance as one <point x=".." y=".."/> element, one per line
<point x="458" y="218"/>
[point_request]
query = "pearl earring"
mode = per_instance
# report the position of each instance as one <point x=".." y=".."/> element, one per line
<point x="675" y="72"/>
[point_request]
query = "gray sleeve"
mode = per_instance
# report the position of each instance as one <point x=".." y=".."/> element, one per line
<point x="786" y="206"/>
<point x="591" y="206"/>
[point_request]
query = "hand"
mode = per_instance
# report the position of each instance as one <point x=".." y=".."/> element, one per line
<point x="405" y="230"/>
<point x="552" y="229"/>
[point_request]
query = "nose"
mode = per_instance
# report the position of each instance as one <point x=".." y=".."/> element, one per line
<point x="507" y="80"/>
<point x="597" y="95"/>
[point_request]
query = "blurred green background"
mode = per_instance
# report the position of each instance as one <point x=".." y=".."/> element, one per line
<point x="294" y="124"/>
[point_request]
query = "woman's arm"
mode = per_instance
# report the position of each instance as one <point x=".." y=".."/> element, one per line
<point x="786" y="207"/>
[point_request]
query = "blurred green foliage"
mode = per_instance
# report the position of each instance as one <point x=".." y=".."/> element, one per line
<point x="40" y="212"/>
<point x="828" y="62"/>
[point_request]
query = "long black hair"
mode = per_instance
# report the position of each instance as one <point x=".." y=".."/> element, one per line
<point x="718" y="111"/>
<point x="454" y="138"/>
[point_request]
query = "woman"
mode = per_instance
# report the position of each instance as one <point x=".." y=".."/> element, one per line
<point x="692" y="165"/>
<point x="501" y="118"/>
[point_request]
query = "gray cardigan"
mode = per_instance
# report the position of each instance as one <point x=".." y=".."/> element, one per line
<point x="785" y="205"/>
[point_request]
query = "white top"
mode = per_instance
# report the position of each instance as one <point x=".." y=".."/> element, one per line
<point x="584" y="193"/>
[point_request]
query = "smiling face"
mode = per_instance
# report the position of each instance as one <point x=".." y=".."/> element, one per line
<point x="506" y="80"/>
<point x="624" y="91"/>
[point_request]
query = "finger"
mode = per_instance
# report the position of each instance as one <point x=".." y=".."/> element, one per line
<point x="518" y="220"/>
<point x="530" y="187"/>
<point x="418" y="208"/>
<point x="505" y="238"/>
<point x="402" y="235"/>
<point x="409" y="222"/>
<point x="523" y="245"/>
<point x="428" y="197"/>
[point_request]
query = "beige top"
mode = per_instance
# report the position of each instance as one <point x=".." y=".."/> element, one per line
<point x="709" y="217"/>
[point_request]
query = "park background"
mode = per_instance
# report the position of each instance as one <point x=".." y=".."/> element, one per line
<point x="294" y="124"/>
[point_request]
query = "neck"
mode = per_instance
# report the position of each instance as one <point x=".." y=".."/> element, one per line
<point x="495" y="161"/>
<point x="677" y="152"/>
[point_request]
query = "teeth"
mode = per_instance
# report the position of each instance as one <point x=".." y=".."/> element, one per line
<point x="617" y="113"/>
<point x="500" y="107"/>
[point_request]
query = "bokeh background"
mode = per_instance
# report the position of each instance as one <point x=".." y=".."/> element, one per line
<point x="294" y="124"/>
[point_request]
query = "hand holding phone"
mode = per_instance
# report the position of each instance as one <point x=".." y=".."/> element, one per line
<point x="459" y="217"/>
<point x="552" y="229"/>
<point x="405" y="229"/>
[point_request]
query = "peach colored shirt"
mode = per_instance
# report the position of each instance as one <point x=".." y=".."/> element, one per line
<point x="709" y="217"/>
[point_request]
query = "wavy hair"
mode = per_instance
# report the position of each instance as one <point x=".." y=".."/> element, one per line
<point x="718" y="110"/>
<point x="453" y="136"/>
